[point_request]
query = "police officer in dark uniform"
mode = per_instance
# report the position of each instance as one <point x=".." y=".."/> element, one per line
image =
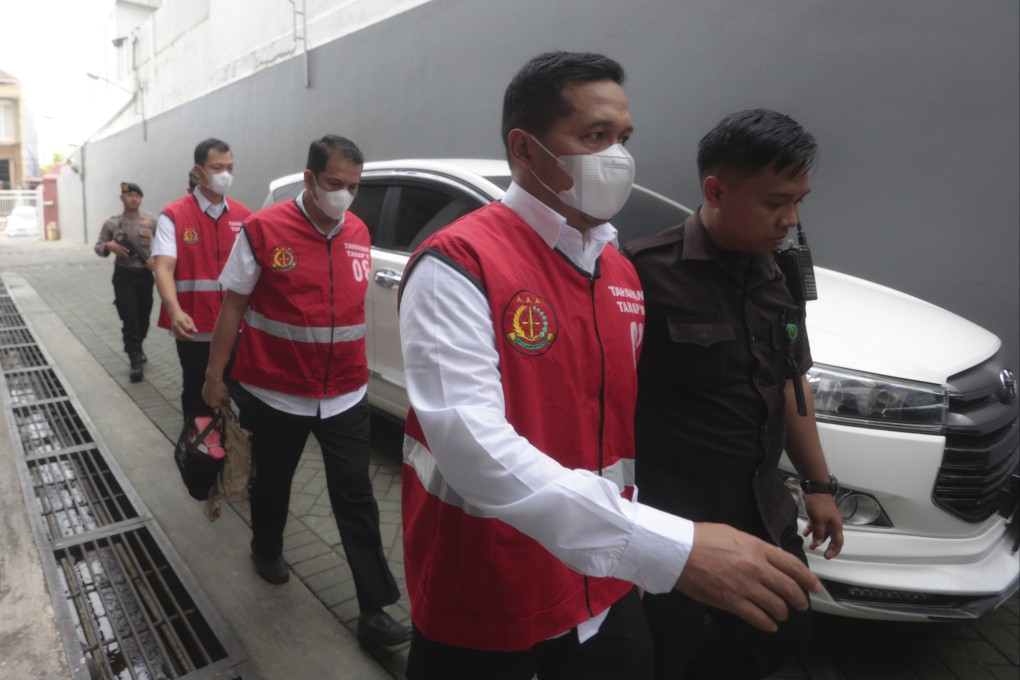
<point x="129" y="237"/>
<point x="724" y="358"/>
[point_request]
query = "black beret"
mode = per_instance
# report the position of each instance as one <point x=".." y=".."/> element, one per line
<point x="128" y="187"/>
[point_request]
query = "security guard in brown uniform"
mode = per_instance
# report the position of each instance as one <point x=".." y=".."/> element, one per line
<point x="129" y="237"/>
<point x="721" y="386"/>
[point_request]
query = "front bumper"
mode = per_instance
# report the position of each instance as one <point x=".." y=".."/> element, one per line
<point x="896" y="577"/>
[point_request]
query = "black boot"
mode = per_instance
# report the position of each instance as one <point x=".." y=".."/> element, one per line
<point x="136" y="367"/>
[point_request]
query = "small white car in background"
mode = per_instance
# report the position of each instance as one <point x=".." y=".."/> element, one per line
<point x="916" y="407"/>
<point x="23" y="222"/>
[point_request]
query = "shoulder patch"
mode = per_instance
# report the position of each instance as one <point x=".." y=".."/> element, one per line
<point x="529" y="323"/>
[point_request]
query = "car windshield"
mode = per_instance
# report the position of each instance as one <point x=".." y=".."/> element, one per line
<point x="284" y="193"/>
<point x="644" y="214"/>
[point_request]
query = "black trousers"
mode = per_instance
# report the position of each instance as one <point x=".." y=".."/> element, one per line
<point x="621" y="650"/>
<point x="132" y="295"/>
<point x="696" y="642"/>
<point x="278" y="439"/>
<point x="194" y="358"/>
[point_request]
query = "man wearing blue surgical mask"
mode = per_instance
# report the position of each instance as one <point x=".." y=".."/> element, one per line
<point x="298" y="276"/>
<point x="524" y="547"/>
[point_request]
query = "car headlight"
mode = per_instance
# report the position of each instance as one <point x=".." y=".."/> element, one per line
<point x="863" y="399"/>
<point x="857" y="508"/>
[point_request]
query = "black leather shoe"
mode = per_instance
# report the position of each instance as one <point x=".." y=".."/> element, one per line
<point x="379" y="628"/>
<point x="274" y="571"/>
<point x="136" y="368"/>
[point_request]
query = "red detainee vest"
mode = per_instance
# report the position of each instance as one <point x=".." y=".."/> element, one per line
<point x="203" y="245"/>
<point x="568" y="348"/>
<point x="304" y="331"/>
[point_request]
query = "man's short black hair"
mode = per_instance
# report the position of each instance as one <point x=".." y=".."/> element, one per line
<point x="534" y="98"/>
<point x="750" y="141"/>
<point x="202" y="150"/>
<point x="321" y="150"/>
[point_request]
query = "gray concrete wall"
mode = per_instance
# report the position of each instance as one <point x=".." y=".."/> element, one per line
<point x="915" y="104"/>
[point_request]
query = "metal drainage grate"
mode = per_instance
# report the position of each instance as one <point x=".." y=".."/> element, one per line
<point x="7" y="306"/>
<point x="9" y="320"/>
<point x="124" y="600"/>
<point x="134" y="617"/>
<point x="49" y="426"/>
<point x="35" y="385"/>
<point x="15" y="336"/>
<point x="76" y="492"/>
<point x="27" y="356"/>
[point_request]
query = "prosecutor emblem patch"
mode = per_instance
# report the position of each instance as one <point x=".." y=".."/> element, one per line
<point x="529" y="323"/>
<point x="282" y="259"/>
<point x="190" y="235"/>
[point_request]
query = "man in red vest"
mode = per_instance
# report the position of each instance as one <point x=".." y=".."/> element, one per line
<point x="521" y="327"/>
<point x="297" y="277"/>
<point x="194" y="235"/>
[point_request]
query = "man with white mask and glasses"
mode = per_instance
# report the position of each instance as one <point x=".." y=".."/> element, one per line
<point x="194" y="235"/>
<point x="298" y="276"/>
<point x="524" y="544"/>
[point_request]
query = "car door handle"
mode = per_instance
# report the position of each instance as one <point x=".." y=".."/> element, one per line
<point x="388" y="278"/>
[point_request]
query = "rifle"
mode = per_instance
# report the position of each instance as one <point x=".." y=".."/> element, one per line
<point x="122" y="239"/>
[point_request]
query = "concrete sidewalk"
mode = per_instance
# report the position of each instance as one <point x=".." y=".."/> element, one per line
<point x="305" y="628"/>
<point x="285" y="630"/>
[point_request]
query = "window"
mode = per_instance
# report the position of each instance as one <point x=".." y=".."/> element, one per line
<point x="645" y="214"/>
<point x="7" y="132"/>
<point x="368" y="206"/>
<point x="424" y="211"/>
<point x="288" y="192"/>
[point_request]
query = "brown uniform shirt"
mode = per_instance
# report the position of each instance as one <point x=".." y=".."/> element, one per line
<point x="710" y="419"/>
<point x="139" y="231"/>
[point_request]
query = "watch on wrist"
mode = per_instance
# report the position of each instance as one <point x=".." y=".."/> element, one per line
<point x="830" y="487"/>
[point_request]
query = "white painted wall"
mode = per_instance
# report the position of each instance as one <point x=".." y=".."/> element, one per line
<point x="71" y="208"/>
<point x="189" y="48"/>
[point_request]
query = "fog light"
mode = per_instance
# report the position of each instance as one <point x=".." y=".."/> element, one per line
<point x="861" y="510"/>
<point x="855" y="507"/>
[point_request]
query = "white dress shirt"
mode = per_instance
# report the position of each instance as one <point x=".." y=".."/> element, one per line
<point x="452" y="371"/>
<point x="241" y="274"/>
<point x="166" y="238"/>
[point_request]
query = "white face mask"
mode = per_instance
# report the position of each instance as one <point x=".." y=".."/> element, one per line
<point x="602" y="181"/>
<point x="333" y="203"/>
<point x="220" y="182"/>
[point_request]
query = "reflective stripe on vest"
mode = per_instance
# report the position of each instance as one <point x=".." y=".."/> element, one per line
<point x="197" y="286"/>
<point x="315" y="334"/>
<point x="421" y="460"/>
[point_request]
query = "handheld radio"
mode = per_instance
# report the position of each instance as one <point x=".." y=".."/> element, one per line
<point x="798" y="268"/>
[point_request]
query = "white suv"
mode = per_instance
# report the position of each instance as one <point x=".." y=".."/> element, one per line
<point x="916" y="407"/>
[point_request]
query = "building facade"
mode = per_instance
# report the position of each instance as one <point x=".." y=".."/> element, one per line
<point x="12" y="166"/>
<point x="915" y="105"/>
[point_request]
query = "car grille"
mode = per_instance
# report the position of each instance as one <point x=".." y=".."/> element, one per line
<point x="982" y="444"/>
